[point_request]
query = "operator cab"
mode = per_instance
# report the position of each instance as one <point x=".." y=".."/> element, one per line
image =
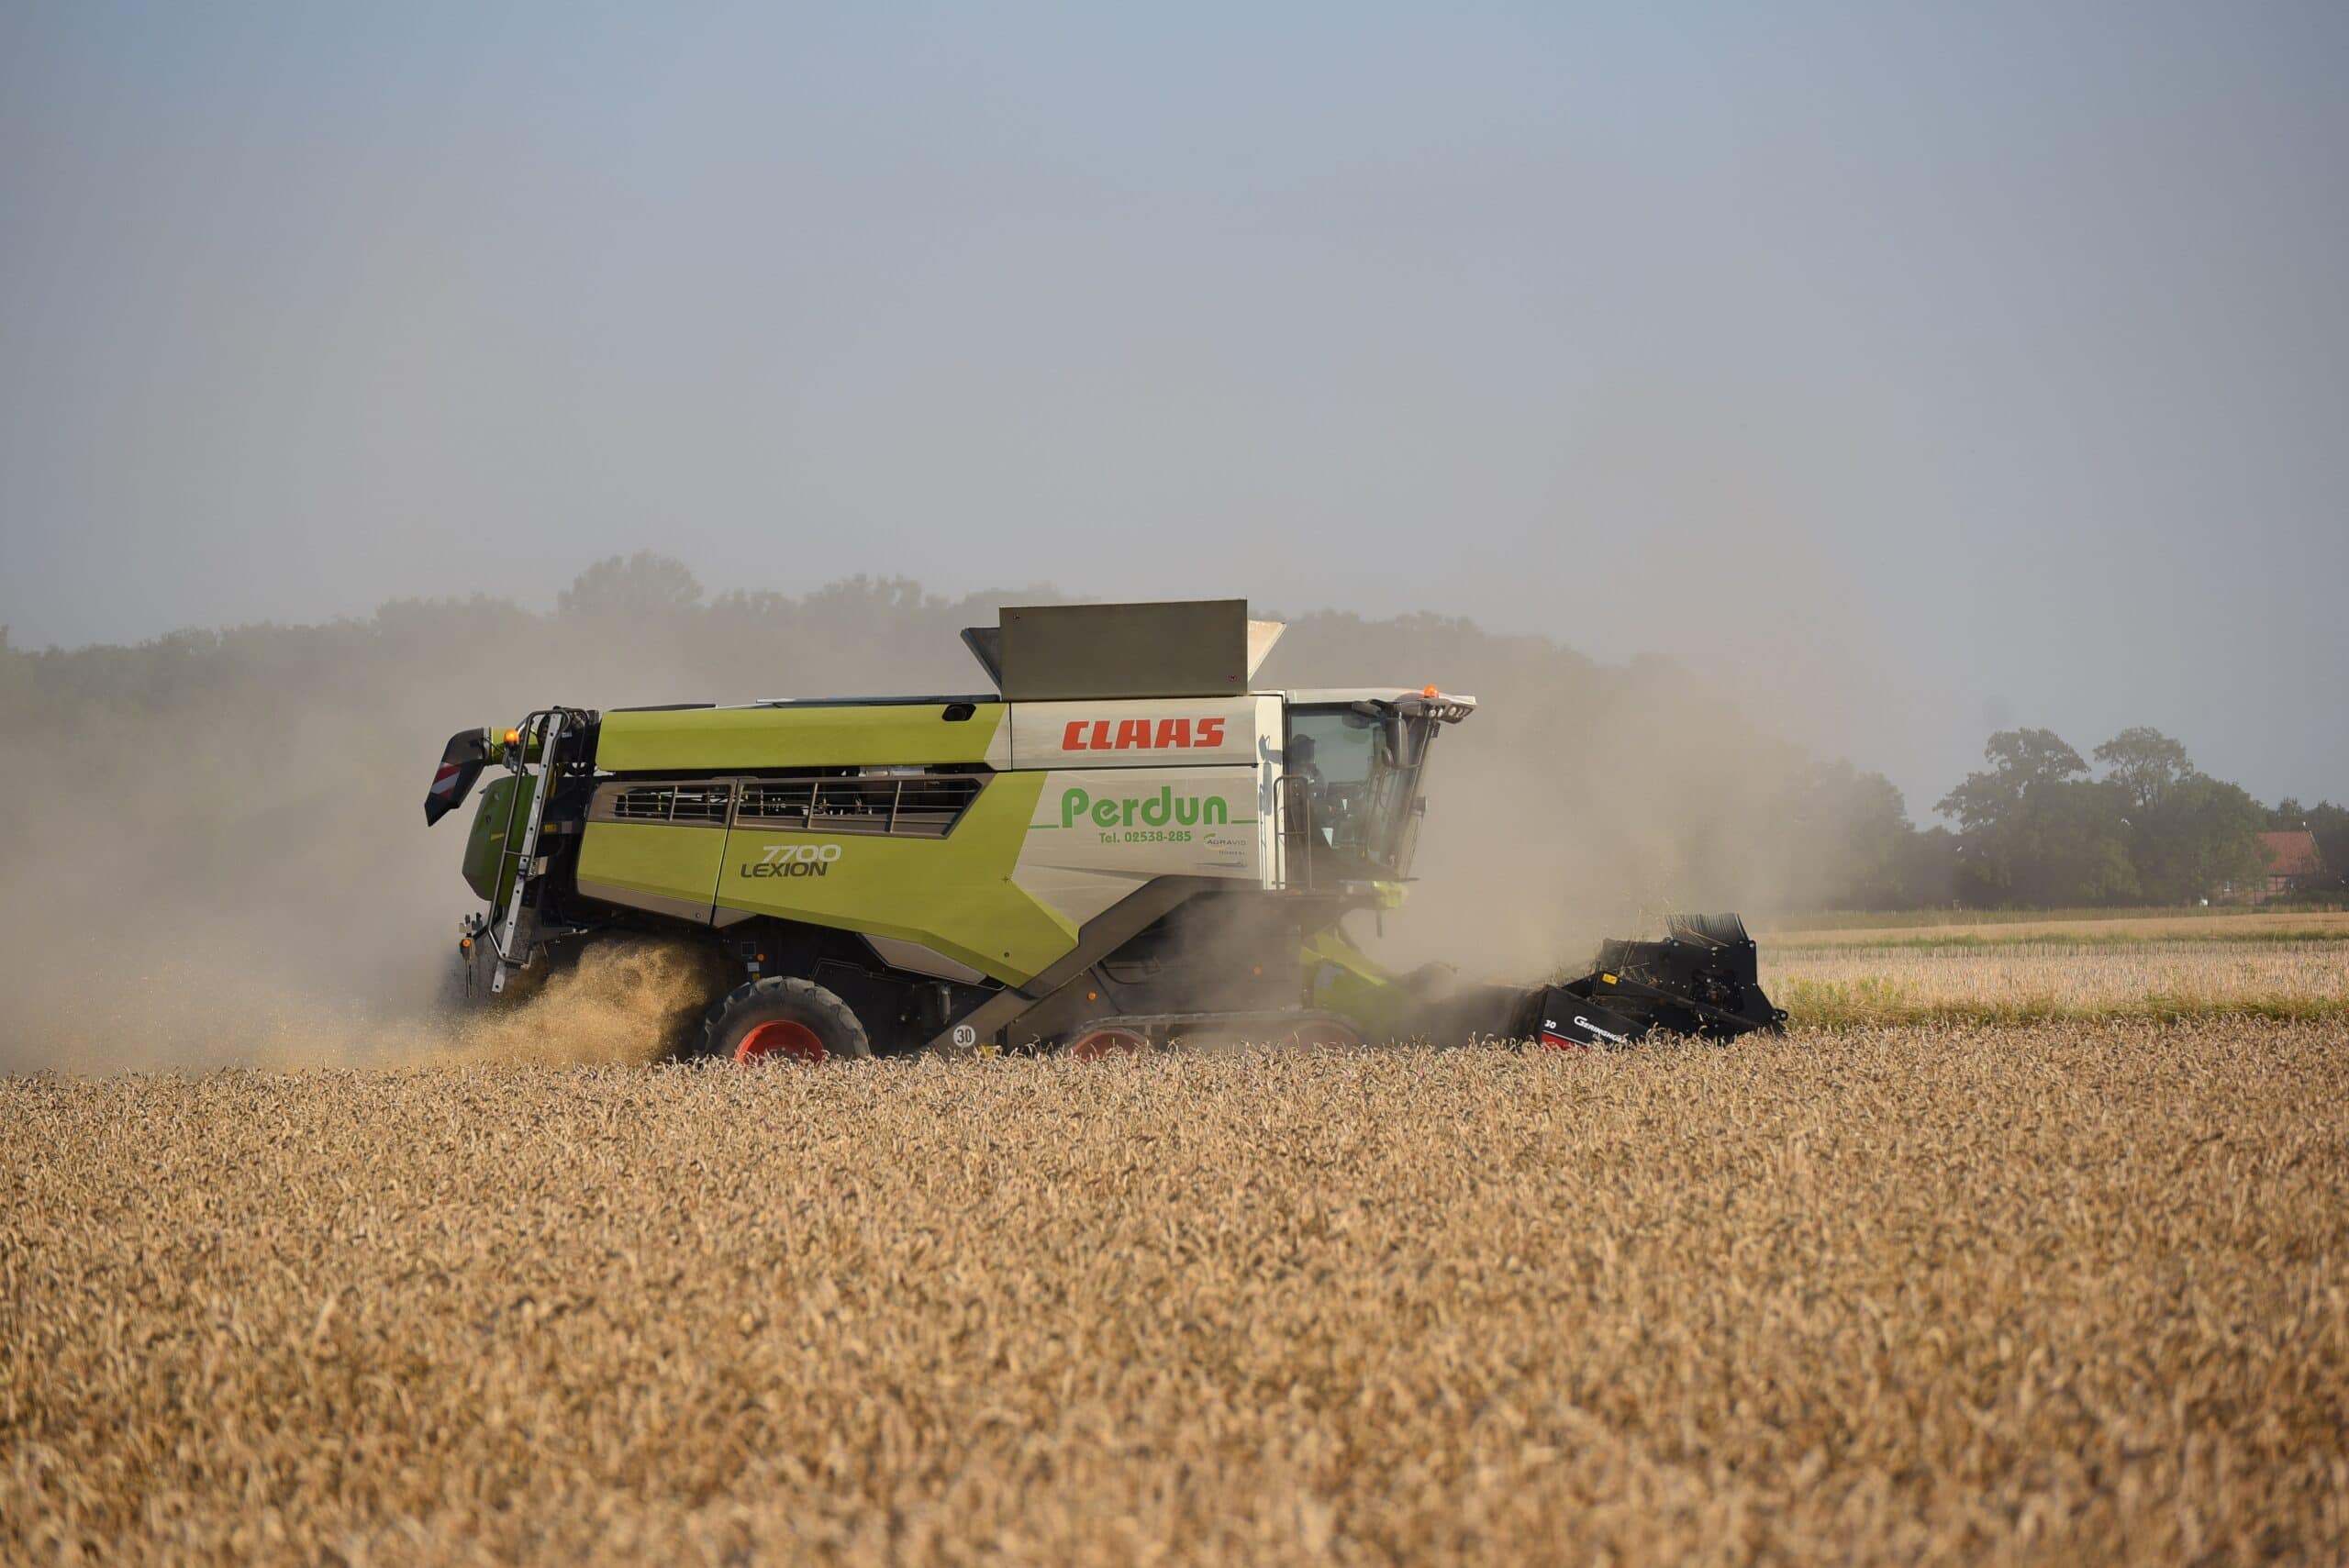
<point x="1350" y="801"/>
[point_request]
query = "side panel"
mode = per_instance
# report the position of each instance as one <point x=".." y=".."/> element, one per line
<point x="955" y="895"/>
<point x="487" y="871"/>
<point x="665" y="867"/>
<point x="1141" y="733"/>
<point x="727" y="739"/>
<point x="1099" y="834"/>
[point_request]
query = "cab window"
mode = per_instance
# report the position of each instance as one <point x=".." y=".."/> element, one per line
<point x="1348" y="807"/>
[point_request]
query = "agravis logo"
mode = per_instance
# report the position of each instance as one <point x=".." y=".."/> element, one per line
<point x="1140" y="735"/>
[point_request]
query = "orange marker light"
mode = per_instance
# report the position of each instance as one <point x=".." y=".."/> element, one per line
<point x="513" y="738"/>
<point x="1430" y="691"/>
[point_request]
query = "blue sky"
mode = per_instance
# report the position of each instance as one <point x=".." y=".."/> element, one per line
<point x="1911" y="369"/>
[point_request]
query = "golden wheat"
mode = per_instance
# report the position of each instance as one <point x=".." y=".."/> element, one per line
<point x="2087" y="925"/>
<point x="1913" y="1295"/>
<point x="2040" y="981"/>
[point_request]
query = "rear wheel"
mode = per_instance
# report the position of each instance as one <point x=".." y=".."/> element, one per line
<point x="781" y="1020"/>
<point x="1092" y="1045"/>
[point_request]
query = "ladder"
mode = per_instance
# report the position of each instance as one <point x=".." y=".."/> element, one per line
<point x="525" y="855"/>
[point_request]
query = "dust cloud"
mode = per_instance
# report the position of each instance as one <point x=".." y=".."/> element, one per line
<point x="625" y="1002"/>
<point x="1580" y="801"/>
<point x="214" y="850"/>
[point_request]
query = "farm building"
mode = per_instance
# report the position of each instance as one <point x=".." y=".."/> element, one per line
<point x="2293" y="863"/>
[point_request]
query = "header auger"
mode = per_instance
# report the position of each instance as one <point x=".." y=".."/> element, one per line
<point x="1123" y="845"/>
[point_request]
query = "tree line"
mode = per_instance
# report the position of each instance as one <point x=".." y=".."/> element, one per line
<point x="2042" y="828"/>
<point x="240" y="770"/>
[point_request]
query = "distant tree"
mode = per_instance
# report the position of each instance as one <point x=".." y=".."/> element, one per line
<point x="2020" y="761"/>
<point x="15" y="676"/>
<point x="873" y="597"/>
<point x="1876" y="832"/>
<point x="2202" y="836"/>
<point x="2189" y="835"/>
<point x="2330" y="823"/>
<point x="2032" y="832"/>
<point x="1928" y="869"/>
<point x="643" y="584"/>
<point x="2079" y="849"/>
<point x="2146" y="763"/>
<point x="1850" y="833"/>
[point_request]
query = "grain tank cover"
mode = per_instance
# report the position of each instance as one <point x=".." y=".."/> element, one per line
<point x="1188" y="648"/>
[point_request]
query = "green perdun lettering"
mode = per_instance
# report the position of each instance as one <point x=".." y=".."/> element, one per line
<point x="1151" y="810"/>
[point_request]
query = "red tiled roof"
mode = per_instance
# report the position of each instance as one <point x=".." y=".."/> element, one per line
<point x="2292" y="854"/>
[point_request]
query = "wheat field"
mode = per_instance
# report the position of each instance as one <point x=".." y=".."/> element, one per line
<point x="2209" y="922"/>
<point x="2055" y="1293"/>
<point x="1980" y="980"/>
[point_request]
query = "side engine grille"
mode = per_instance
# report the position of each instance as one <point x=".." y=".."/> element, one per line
<point x="698" y="803"/>
<point x="916" y="805"/>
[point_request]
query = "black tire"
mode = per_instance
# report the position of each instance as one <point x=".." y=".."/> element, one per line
<point x="801" y="1010"/>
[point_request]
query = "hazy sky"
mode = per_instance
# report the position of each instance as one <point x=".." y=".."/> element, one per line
<point x="1913" y="369"/>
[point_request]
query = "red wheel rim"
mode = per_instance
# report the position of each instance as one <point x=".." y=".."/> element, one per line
<point x="1325" y="1033"/>
<point x="1095" y="1044"/>
<point x="792" y="1042"/>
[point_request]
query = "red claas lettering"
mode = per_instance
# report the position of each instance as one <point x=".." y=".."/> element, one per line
<point x="1136" y="734"/>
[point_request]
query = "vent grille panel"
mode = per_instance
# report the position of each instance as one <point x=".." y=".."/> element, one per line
<point x="906" y="806"/>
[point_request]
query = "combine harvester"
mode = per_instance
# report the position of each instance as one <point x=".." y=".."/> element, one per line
<point x="1124" y="846"/>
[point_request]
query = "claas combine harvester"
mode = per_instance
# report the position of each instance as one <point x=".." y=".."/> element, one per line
<point x="1123" y="845"/>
